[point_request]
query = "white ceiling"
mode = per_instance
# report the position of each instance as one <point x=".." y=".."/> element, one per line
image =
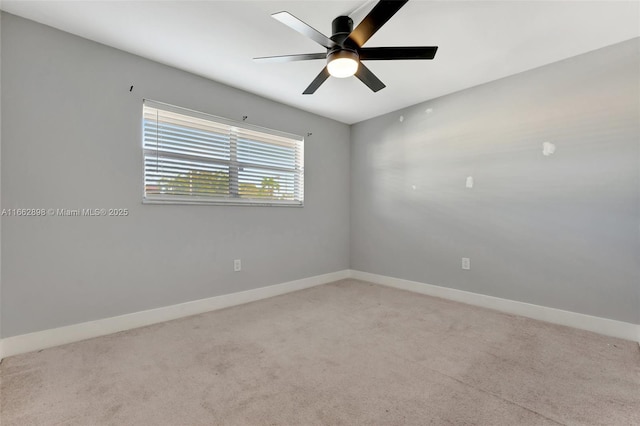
<point x="479" y="41"/>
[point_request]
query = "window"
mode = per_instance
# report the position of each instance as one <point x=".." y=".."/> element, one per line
<point x="192" y="157"/>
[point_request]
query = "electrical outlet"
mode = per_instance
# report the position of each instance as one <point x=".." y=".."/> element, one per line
<point x="466" y="263"/>
<point x="237" y="265"/>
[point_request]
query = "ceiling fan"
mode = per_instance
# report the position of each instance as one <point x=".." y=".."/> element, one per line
<point x="344" y="48"/>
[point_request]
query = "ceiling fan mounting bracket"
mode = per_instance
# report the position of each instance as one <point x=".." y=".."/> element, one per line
<point x="341" y="27"/>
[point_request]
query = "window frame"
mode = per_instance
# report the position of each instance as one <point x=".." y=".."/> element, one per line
<point x="233" y="165"/>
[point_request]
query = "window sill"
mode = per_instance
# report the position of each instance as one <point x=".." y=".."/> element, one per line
<point x="246" y="202"/>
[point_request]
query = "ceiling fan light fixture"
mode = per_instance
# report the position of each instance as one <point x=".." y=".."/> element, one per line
<point x="342" y="63"/>
<point x="344" y="52"/>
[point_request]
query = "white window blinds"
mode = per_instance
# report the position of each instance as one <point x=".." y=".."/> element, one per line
<point x="192" y="157"/>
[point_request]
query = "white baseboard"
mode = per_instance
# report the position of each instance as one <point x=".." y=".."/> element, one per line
<point x="608" y="327"/>
<point x="58" y="336"/>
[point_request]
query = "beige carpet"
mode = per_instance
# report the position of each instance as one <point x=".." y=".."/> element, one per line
<point x="348" y="353"/>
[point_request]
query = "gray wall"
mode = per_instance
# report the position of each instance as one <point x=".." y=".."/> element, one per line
<point x="559" y="231"/>
<point x="0" y="187"/>
<point x="71" y="138"/>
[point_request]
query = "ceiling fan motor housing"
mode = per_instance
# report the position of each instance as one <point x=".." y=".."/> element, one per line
<point x="340" y="53"/>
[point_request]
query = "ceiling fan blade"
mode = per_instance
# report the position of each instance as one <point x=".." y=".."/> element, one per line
<point x="291" y="58"/>
<point x="304" y="29"/>
<point x="393" y="53"/>
<point x="378" y="16"/>
<point x="367" y="77"/>
<point x="317" y="82"/>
